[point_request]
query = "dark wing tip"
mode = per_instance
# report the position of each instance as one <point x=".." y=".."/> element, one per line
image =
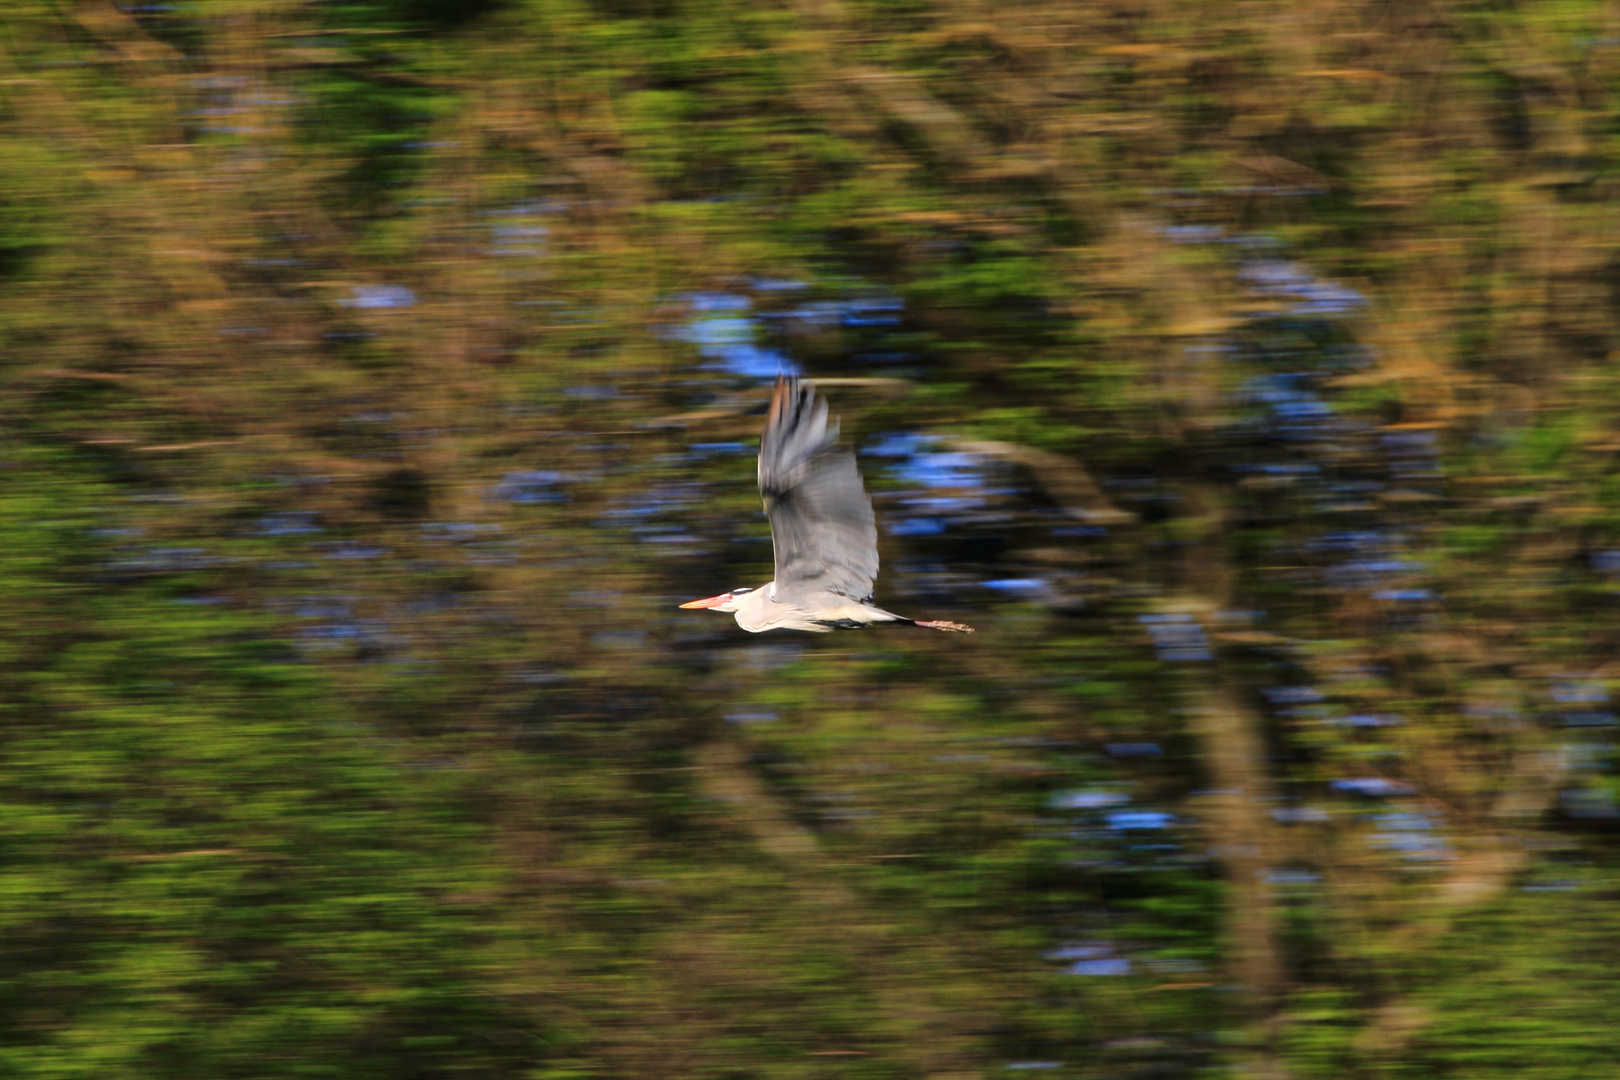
<point x="781" y="394"/>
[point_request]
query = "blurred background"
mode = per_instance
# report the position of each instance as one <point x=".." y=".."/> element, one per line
<point x="376" y="376"/>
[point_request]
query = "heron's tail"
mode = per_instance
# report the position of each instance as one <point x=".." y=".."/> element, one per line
<point x="942" y="624"/>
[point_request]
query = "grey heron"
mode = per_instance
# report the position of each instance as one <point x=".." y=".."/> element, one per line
<point x="821" y="525"/>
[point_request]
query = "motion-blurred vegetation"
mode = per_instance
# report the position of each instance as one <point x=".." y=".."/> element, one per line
<point x="376" y="376"/>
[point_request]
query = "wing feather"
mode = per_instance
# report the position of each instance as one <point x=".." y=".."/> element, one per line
<point x="821" y="518"/>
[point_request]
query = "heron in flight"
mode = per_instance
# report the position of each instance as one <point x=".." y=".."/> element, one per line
<point x="821" y="525"/>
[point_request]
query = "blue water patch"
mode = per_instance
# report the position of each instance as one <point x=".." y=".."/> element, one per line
<point x="348" y="549"/>
<point x="518" y="240"/>
<point x="1193" y="234"/>
<point x="164" y="560"/>
<point x="287" y="523"/>
<point x="765" y="284"/>
<point x="1404" y="596"/>
<point x="917" y="526"/>
<point x="708" y="303"/>
<point x="380" y="297"/>
<point x="1412" y="454"/>
<point x="818" y="314"/>
<point x="1292" y="695"/>
<point x="864" y="312"/>
<point x="723" y="327"/>
<point x="1305" y="293"/>
<point x="1404" y="822"/>
<point x="1297" y="413"/>
<point x="1579" y="692"/>
<point x="1375" y="787"/>
<point x="1389" y="566"/>
<point x="337" y="631"/>
<point x="873" y="311"/>
<point x="1301" y="815"/>
<point x="1591" y="803"/>
<point x="1590" y="719"/>
<point x="1349" y="541"/>
<point x="1093" y="958"/>
<point x="1176" y="637"/>
<point x="1605" y="562"/>
<point x="1087" y="799"/>
<point x="951" y="471"/>
<point x="1134" y="820"/>
<point x="1016" y="585"/>
<point x="1364" y="720"/>
<point x="320" y="607"/>
<point x="528" y="487"/>
<point x="1411" y="835"/>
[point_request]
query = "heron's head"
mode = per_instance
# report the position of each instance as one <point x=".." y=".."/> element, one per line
<point x="726" y="601"/>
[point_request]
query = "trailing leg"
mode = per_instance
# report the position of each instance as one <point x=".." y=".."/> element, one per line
<point x="943" y="624"/>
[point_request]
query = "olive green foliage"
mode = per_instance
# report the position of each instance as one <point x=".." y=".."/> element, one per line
<point x="204" y="869"/>
<point x="356" y="445"/>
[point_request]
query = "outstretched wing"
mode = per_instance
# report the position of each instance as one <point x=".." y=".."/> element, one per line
<point x="821" y="518"/>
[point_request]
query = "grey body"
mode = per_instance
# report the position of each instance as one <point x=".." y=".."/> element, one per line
<point x="821" y="525"/>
